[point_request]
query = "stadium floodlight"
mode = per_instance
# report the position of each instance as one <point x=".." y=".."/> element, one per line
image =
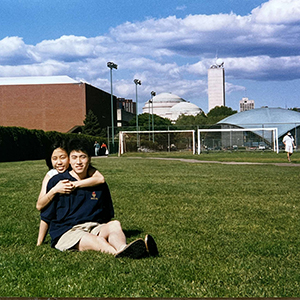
<point x="153" y="94"/>
<point x="149" y="104"/>
<point x="112" y="65"/>
<point x="137" y="82"/>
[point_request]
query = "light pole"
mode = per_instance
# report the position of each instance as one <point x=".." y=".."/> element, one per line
<point x="152" y="95"/>
<point x="137" y="82"/>
<point x="150" y="101"/>
<point x="112" y="65"/>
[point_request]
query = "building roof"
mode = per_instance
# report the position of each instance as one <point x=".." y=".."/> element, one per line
<point x="284" y="119"/>
<point x="167" y="97"/>
<point x="168" y="105"/>
<point x="36" y="80"/>
<point x="185" y="107"/>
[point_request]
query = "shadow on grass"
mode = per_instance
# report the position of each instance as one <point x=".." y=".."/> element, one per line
<point x="132" y="232"/>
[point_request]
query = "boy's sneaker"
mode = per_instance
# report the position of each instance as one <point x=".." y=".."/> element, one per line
<point x="151" y="245"/>
<point x="136" y="249"/>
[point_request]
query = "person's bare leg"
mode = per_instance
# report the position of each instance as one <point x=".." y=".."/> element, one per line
<point x="111" y="239"/>
<point x="112" y="232"/>
<point x="93" y="242"/>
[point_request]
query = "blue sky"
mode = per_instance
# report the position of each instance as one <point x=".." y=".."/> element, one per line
<point x="167" y="44"/>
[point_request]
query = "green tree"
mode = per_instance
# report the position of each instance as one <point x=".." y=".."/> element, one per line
<point x="185" y="120"/>
<point x="91" y="125"/>
<point x="221" y="111"/>
<point x="218" y="113"/>
<point x="297" y="109"/>
<point x="159" y="122"/>
<point x="215" y="115"/>
<point x="200" y="119"/>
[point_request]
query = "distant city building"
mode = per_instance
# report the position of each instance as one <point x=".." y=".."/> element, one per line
<point x="246" y="104"/>
<point x="168" y="105"/>
<point x="126" y="104"/>
<point x="216" y="85"/>
<point x="126" y="110"/>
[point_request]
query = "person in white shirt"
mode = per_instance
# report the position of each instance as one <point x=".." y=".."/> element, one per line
<point x="288" y="141"/>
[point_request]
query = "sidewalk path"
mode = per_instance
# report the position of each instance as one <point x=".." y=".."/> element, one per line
<point x="219" y="162"/>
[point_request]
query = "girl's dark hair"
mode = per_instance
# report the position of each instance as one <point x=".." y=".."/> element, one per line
<point x="58" y="144"/>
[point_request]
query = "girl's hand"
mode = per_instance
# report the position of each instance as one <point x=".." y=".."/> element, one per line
<point x="64" y="187"/>
<point x="75" y="185"/>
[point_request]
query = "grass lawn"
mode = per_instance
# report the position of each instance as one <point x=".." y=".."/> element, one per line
<point x="225" y="156"/>
<point x="222" y="231"/>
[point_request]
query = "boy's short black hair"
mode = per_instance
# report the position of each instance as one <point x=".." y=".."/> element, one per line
<point x="57" y="144"/>
<point x="80" y="145"/>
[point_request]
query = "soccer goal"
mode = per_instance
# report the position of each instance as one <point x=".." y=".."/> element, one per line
<point x="157" y="141"/>
<point x="242" y="139"/>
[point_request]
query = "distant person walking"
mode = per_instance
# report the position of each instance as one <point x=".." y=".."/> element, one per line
<point x="97" y="148"/>
<point x="104" y="149"/>
<point x="288" y="141"/>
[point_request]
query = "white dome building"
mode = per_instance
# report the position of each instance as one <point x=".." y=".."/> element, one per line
<point x="184" y="108"/>
<point x="168" y="105"/>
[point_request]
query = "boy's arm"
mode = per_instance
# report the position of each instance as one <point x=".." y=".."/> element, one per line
<point x="95" y="178"/>
<point x="42" y="232"/>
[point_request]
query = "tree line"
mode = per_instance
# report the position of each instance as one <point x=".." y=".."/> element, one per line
<point x="91" y="124"/>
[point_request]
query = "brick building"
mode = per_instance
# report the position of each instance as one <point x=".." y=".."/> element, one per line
<point x="56" y="103"/>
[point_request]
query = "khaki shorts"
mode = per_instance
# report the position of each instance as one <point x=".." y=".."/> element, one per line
<point x="70" y="238"/>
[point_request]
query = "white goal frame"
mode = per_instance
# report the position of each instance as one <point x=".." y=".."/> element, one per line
<point x="273" y="129"/>
<point x="121" y="137"/>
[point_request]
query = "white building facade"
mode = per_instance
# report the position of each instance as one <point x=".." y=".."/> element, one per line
<point x="216" y="85"/>
<point x="168" y="105"/>
<point x="246" y="104"/>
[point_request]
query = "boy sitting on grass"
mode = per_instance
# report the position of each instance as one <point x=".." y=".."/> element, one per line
<point x="82" y="219"/>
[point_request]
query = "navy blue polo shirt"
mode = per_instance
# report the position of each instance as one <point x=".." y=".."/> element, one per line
<point x="91" y="204"/>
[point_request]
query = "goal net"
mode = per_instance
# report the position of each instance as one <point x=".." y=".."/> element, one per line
<point x="238" y="139"/>
<point x="157" y="141"/>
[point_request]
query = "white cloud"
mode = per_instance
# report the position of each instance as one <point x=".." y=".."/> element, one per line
<point x="277" y="12"/>
<point x="201" y="34"/>
<point x="47" y="68"/>
<point x="231" y="88"/>
<point x="182" y="7"/>
<point x="73" y="47"/>
<point x="170" y="54"/>
<point x="15" y="51"/>
<point x="263" y="68"/>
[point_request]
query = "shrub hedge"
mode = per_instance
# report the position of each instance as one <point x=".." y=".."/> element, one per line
<point x="18" y="144"/>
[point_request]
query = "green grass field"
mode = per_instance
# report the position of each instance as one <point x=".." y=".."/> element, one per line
<point x="225" y="156"/>
<point x="222" y="230"/>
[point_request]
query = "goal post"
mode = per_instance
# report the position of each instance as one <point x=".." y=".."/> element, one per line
<point x="157" y="141"/>
<point x="238" y="138"/>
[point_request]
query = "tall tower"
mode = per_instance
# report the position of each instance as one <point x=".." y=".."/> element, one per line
<point x="216" y="85"/>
